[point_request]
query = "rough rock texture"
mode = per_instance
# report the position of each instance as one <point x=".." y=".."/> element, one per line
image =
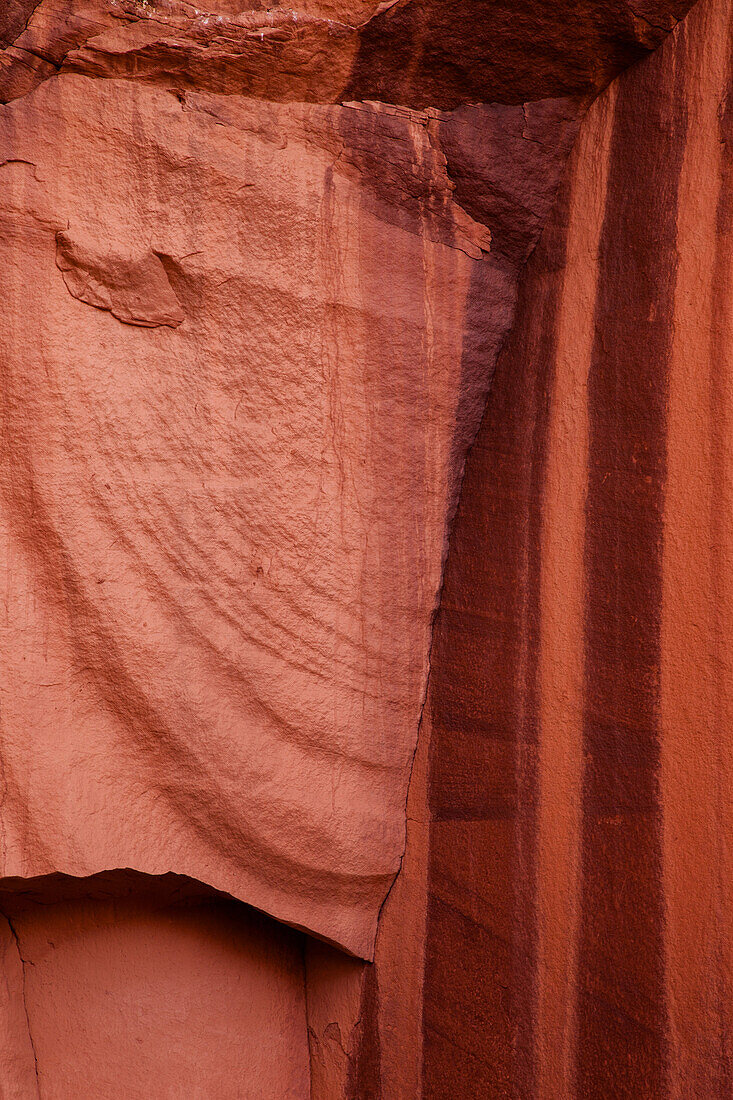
<point x="245" y="345"/>
<point x="256" y="269"/>
<point x="419" y="53"/>
<point x="571" y="820"/>
<point x="214" y="502"/>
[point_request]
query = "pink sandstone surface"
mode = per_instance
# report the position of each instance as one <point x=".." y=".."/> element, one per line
<point x="243" y="357"/>
<point x="265" y="274"/>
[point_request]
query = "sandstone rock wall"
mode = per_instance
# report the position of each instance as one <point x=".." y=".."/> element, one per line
<point x="246" y="343"/>
<point x="124" y="985"/>
<point x="575" y="801"/>
<point x="257" y="267"/>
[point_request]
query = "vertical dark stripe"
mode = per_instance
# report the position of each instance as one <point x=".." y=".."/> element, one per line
<point x="719" y="419"/>
<point x="364" y="1075"/>
<point x="621" y="1011"/>
<point x="480" y="990"/>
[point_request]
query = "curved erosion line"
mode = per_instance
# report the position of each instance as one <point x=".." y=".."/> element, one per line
<point x="213" y="827"/>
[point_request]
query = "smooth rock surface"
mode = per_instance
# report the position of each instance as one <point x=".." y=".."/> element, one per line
<point x="126" y="988"/>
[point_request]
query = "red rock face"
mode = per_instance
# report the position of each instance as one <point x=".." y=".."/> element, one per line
<point x="577" y="937"/>
<point x="419" y="53"/>
<point x="257" y="269"/>
<point x="132" y="986"/>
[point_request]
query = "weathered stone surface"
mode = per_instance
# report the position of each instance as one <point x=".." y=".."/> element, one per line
<point x="217" y="629"/>
<point x="17" y="1057"/>
<point x="569" y="836"/>
<point x="256" y="269"/>
<point x="216" y="517"/>
<point x="133" y="288"/>
<point x="418" y="53"/>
